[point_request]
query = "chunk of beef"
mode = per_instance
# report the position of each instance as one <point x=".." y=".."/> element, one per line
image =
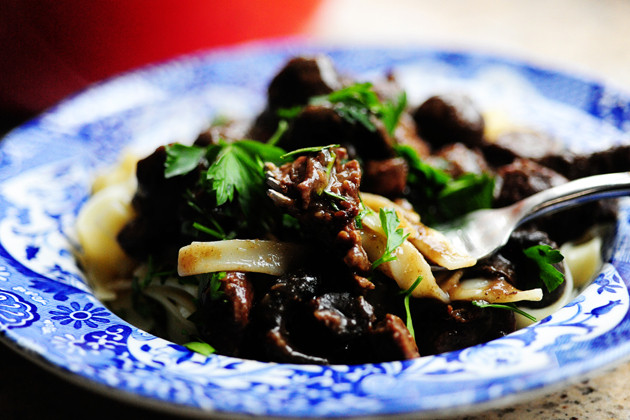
<point x="299" y="80"/>
<point x="520" y="144"/>
<point x="441" y="328"/>
<point x="495" y="266"/>
<point x="572" y="165"/>
<point x="406" y="134"/>
<point x="282" y="318"/>
<point x="447" y="119"/>
<point x="301" y="320"/>
<point x="320" y="125"/>
<point x="224" y="316"/>
<point x="322" y="192"/>
<point x="385" y="177"/>
<point x="391" y="340"/>
<point x="522" y="178"/>
<point x="461" y="159"/>
<point x="155" y="229"/>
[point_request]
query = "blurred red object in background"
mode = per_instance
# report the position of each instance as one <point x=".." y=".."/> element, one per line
<point x="51" y="48"/>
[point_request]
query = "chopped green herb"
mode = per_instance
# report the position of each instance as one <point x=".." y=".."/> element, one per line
<point x="306" y="150"/>
<point x="466" y="193"/>
<point x="364" y="211"/>
<point x="331" y="163"/>
<point x="441" y="197"/>
<point x="337" y="196"/>
<point x="289" y="113"/>
<point x="391" y="112"/>
<point x="395" y="236"/>
<point x="290" y="222"/>
<point x="238" y="167"/>
<point x="357" y="104"/>
<point x="283" y="126"/>
<point x="214" y="233"/>
<point x="214" y="285"/>
<point x="181" y="159"/>
<point x="545" y="256"/>
<point x="200" y="347"/>
<point x="406" y="296"/>
<point x="508" y="306"/>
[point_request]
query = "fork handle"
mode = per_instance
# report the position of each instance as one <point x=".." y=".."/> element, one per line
<point x="573" y="193"/>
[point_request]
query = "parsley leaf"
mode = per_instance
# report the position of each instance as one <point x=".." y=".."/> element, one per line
<point x="357" y="104"/>
<point x="395" y="236"/>
<point x="238" y="167"/>
<point x="289" y="113"/>
<point x="283" y="126"/>
<point x="214" y="285"/>
<point x="305" y="150"/>
<point x="466" y="193"/>
<point x="391" y="111"/>
<point x="545" y="256"/>
<point x="508" y="306"/>
<point x="407" y="294"/>
<point x="443" y="197"/>
<point x="200" y="347"/>
<point x="181" y="159"/>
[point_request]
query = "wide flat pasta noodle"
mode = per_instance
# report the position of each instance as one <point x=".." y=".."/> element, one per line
<point x="249" y="255"/>
<point x="408" y="265"/>
<point x="431" y="243"/>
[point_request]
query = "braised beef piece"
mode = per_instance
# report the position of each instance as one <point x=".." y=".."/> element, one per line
<point x="322" y="192"/>
<point x="406" y="134"/>
<point x="522" y="178"/>
<point x="571" y="165"/>
<point x="495" y="266"/>
<point x="520" y="144"/>
<point x="222" y="130"/>
<point x="299" y="80"/>
<point x="440" y="328"/>
<point x="391" y="340"/>
<point x="224" y="315"/>
<point x="156" y="227"/>
<point x="459" y="159"/>
<point x="299" y="320"/>
<point x="447" y="119"/>
<point x="321" y="125"/>
<point x="386" y="177"/>
<point x="281" y="326"/>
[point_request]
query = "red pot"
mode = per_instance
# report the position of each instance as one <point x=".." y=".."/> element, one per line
<point x="51" y="48"/>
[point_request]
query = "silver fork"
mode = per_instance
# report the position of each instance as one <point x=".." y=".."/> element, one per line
<point x="482" y="232"/>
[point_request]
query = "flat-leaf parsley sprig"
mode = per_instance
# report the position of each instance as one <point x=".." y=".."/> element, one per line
<point x="235" y="167"/>
<point x="395" y="235"/>
<point x="440" y="196"/>
<point x="406" y="297"/>
<point x="545" y="256"/>
<point x="506" y="306"/>
<point x="357" y="104"/>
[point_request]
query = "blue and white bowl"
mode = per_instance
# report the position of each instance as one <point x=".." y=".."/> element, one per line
<point x="47" y="308"/>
